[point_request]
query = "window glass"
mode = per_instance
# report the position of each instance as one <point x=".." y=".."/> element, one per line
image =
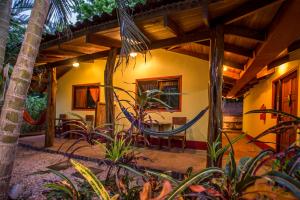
<point x="171" y="86"/>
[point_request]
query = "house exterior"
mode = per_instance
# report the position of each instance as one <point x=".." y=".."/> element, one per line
<point x="262" y="95"/>
<point x="205" y="50"/>
<point x="159" y="64"/>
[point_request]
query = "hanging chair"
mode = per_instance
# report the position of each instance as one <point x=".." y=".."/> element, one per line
<point x="29" y="120"/>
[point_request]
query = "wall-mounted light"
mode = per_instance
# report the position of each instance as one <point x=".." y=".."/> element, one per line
<point x="75" y="64"/>
<point x="133" y="54"/>
<point x="225" y="68"/>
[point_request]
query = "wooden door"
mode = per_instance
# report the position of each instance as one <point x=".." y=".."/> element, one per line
<point x="289" y="101"/>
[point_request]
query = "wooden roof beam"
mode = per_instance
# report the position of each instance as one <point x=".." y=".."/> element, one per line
<point x="82" y="58"/>
<point x="193" y="36"/>
<point x="172" y="26"/>
<point x="248" y="33"/>
<point x="232" y="49"/>
<point x="59" y="53"/>
<point x="99" y="40"/>
<point x="138" y="18"/>
<point x="284" y="31"/>
<point x="206" y="57"/>
<point x="246" y="9"/>
<point x="293" y="54"/>
<point x="190" y="37"/>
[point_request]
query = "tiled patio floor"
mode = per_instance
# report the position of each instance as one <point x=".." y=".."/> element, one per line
<point x="163" y="159"/>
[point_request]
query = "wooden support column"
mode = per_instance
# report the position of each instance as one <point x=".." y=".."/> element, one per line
<point x="108" y="81"/>
<point x="51" y="112"/>
<point x="215" y="88"/>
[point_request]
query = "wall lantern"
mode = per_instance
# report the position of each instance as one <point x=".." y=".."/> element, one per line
<point x="75" y="64"/>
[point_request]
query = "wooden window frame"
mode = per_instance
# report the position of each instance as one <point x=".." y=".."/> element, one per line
<point x="179" y="77"/>
<point x="84" y="85"/>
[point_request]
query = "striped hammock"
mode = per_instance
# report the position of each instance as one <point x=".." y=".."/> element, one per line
<point x="148" y="131"/>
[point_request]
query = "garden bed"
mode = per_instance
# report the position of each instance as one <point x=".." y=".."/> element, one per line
<point x="28" y="162"/>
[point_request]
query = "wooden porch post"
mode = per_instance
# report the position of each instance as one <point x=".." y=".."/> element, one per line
<point x="51" y="112"/>
<point x="215" y="88"/>
<point x="108" y="81"/>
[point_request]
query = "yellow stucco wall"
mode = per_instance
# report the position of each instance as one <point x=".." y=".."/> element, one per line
<point x="262" y="94"/>
<point x="85" y="74"/>
<point x="160" y="63"/>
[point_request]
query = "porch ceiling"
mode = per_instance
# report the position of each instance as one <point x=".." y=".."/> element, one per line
<point x="182" y="26"/>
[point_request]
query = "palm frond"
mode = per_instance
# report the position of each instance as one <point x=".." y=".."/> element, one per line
<point x="277" y="129"/>
<point x="285" y="181"/>
<point x="60" y="13"/>
<point x="272" y="111"/>
<point x="132" y="38"/>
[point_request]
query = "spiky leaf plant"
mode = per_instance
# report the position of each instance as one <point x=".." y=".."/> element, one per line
<point x="292" y="123"/>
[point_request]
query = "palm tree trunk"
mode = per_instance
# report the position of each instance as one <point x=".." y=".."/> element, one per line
<point x="12" y="111"/>
<point x="5" y="6"/>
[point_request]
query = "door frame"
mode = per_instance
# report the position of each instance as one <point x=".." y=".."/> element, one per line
<point x="279" y="79"/>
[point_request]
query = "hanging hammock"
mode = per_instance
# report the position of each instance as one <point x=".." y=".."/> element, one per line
<point x="148" y="131"/>
<point x="28" y="119"/>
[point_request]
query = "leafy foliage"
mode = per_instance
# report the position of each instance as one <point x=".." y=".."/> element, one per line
<point x="87" y="9"/>
<point x="292" y="123"/>
<point x="217" y="153"/>
<point x="280" y="170"/>
<point x="92" y="180"/>
<point x="35" y="104"/>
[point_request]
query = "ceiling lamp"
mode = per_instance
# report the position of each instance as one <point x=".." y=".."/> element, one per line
<point x="133" y="54"/>
<point x="225" y="68"/>
<point x="76" y="64"/>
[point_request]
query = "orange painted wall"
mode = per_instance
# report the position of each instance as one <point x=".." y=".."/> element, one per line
<point x="262" y="94"/>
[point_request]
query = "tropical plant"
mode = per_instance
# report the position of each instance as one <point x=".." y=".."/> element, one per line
<point x="5" y="6"/>
<point x="83" y="131"/>
<point x="90" y="8"/>
<point x="293" y="122"/>
<point x="12" y="111"/>
<point x="63" y="189"/>
<point x="140" y="103"/>
<point x="66" y="189"/>
<point x="216" y="153"/>
<point x="233" y="181"/>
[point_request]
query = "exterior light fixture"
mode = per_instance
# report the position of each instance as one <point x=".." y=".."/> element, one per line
<point x="225" y="68"/>
<point x="133" y="54"/>
<point x="75" y="64"/>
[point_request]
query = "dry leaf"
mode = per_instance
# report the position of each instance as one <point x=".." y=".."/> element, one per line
<point x="197" y="188"/>
<point x="167" y="188"/>
<point x="145" y="194"/>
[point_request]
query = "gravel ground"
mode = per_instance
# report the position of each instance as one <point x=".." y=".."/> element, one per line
<point x="28" y="162"/>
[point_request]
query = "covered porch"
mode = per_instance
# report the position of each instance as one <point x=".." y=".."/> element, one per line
<point x="236" y="45"/>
